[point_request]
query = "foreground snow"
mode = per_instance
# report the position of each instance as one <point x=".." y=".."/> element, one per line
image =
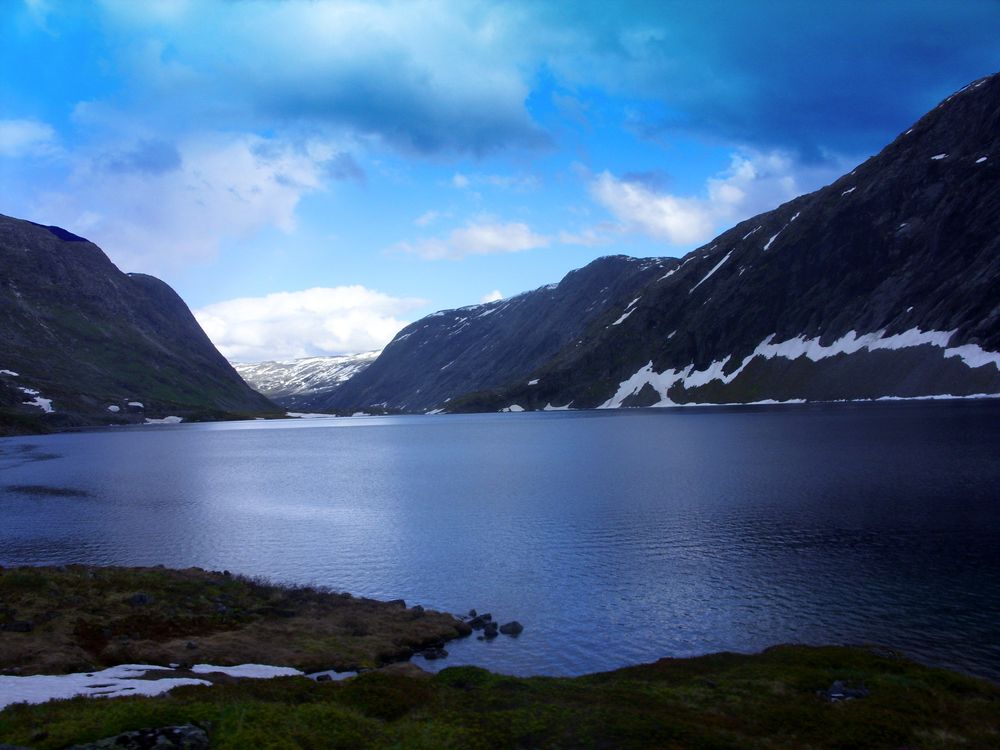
<point x="115" y="682"/>
<point x="108" y="683"/>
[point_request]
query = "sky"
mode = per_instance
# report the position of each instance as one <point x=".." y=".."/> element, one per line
<point x="312" y="175"/>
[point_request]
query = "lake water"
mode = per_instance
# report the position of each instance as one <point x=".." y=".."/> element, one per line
<point x="615" y="537"/>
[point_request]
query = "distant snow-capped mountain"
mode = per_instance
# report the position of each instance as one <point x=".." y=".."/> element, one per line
<point x="300" y="383"/>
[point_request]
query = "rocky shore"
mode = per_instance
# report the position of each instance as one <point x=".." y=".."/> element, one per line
<point x="103" y="620"/>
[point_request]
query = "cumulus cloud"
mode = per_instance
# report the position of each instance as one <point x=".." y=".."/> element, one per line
<point x="477" y="238"/>
<point x="311" y="322"/>
<point x="754" y="182"/>
<point x="154" y="206"/>
<point x="26" y="138"/>
<point x="493" y="296"/>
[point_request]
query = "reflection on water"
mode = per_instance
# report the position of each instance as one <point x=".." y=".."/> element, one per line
<point x="615" y="538"/>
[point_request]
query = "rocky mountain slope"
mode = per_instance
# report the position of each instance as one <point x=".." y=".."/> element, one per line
<point x="83" y="343"/>
<point x="453" y="352"/>
<point x="301" y="383"/>
<point x="885" y="283"/>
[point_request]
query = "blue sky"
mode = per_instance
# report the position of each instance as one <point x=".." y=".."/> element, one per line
<point x="311" y="175"/>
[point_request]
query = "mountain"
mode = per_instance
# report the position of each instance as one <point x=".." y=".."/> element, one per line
<point x="885" y="283"/>
<point x="450" y="353"/>
<point x="83" y="343"/>
<point x="302" y="383"/>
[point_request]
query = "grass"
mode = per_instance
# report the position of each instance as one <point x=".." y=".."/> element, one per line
<point x="86" y="618"/>
<point x="766" y="700"/>
<point x="771" y="700"/>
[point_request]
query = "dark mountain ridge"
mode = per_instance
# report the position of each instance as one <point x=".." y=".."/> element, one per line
<point x="885" y="283"/>
<point x="92" y="342"/>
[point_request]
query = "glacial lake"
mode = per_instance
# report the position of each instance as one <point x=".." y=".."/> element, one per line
<point x="615" y="537"/>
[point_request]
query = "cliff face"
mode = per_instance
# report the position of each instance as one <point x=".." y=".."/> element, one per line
<point x="885" y="283"/>
<point x="92" y="342"/>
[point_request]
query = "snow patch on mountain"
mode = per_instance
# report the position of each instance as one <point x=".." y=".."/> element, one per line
<point x="800" y="346"/>
<point x="715" y="268"/>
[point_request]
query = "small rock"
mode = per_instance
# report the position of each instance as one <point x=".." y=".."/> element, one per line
<point x="324" y="678"/>
<point x="490" y="630"/>
<point x="512" y="628"/>
<point x="840" y="691"/>
<point x="397" y="603"/>
<point x="472" y="613"/>
<point x="479" y="622"/>
<point x="416" y="608"/>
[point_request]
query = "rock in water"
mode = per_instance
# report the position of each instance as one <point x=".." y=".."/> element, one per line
<point x="512" y="628"/>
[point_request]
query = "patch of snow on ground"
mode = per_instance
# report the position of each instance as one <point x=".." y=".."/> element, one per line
<point x="533" y="382"/>
<point x="9" y="372"/>
<point x="28" y="391"/>
<point x="114" y="409"/>
<point x="750" y="232"/>
<point x="939" y="157"/>
<point x="550" y="407"/>
<point x="165" y="420"/>
<point x="849" y="190"/>
<point x="108" y="683"/>
<point x="980" y="160"/>
<point x="800" y="346"/>
<point x="794" y="217"/>
<point x="254" y="671"/>
<point x="513" y="407"/>
<point x="623" y="317"/>
<point x="671" y="335"/>
<point x="137" y="404"/>
<point x="714" y="269"/>
<point x="361" y="414"/>
<point x="432" y="412"/>
<point x="304" y="415"/>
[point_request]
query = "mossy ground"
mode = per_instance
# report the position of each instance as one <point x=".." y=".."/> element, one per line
<point x="85" y="618"/>
<point x="766" y="700"/>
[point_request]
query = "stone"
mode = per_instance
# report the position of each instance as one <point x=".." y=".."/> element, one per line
<point x="184" y="737"/>
<point x="512" y="628"/>
<point x="479" y="622"/>
<point x="490" y="630"/>
<point x="324" y="678"/>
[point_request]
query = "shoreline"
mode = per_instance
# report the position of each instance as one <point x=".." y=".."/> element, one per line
<point x="787" y="696"/>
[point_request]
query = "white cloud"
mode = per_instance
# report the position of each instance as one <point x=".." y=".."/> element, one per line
<point x="493" y="296"/>
<point x="214" y="188"/>
<point x="311" y="322"/>
<point x="477" y="238"/>
<point x="459" y="180"/>
<point x="26" y="138"/>
<point x="754" y="182"/>
<point x="426" y="218"/>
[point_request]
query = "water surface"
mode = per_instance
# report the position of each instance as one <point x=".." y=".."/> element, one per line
<point x="615" y="537"/>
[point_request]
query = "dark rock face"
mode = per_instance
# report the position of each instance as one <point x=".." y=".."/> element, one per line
<point x="884" y="283"/>
<point x="87" y="337"/>
<point x="451" y="353"/>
